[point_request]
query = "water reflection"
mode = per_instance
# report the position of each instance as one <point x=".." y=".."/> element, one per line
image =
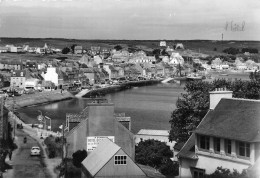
<point x="149" y="107"/>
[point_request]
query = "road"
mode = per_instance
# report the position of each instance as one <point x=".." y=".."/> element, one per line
<point x="24" y="165"/>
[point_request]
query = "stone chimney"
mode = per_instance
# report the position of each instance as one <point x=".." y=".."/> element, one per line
<point x="216" y="95"/>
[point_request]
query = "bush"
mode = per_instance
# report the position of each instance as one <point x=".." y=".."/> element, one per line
<point x="226" y="173"/>
<point x="232" y="51"/>
<point x="78" y="157"/>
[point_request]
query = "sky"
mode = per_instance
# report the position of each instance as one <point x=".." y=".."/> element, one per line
<point x="131" y="19"/>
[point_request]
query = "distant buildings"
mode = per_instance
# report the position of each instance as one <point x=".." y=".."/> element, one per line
<point x="162" y="43"/>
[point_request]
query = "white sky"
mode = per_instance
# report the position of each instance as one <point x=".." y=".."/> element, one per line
<point x="130" y="19"/>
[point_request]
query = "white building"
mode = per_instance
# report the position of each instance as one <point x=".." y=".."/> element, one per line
<point x="160" y="135"/>
<point x="51" y="75"/>
<point x="162" y="43"/>
<point x="228" y="136"/>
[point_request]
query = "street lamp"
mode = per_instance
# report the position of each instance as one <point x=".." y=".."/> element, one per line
<point x="46" y="117"/>
<point x="41" y="118"/>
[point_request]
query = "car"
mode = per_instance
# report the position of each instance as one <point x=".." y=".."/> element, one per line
<point x="35" y="151"/>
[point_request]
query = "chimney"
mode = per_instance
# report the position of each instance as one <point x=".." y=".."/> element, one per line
<point x="217" y="95"/>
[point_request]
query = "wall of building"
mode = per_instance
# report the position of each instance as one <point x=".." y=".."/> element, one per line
<point x="17" y="82"/>
<point x="185" y="171"/>
<point x="75" y="139"/>
<point x="210" y="164"/>
<point x="51" y="75"/>
<point x="130" y="169"/>
<point x="101" y="122"/>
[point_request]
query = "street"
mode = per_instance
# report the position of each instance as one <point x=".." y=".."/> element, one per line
<point x="25" y="165"/>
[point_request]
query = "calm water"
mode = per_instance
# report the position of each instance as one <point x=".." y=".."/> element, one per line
<point x="149" y="107"/>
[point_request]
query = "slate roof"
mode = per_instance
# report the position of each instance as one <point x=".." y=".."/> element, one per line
<point x="187" y="150"/>
<point x="233" y="118"/>
<point x="153" y="132"/>
<point x="100" y="156"/>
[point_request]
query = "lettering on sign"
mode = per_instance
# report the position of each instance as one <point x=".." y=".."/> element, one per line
<point x="235" y="26"/>
<point x="92" y="142"/>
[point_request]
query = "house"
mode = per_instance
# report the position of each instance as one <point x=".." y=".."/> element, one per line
<point x="176" y="59"/>
<point x="15" y="49"/>
<point x="51" y="75"/>
<point x="18" y="78"/>
<point x="227" y="136"/>
<point x="160" y="135"/>
<point x="78" y="50"/>
<point x="3" y="49"/>
<point x="11" y="65"/>
<point x="40" y="51"/>
<point x="113" y="73"/>
<point x="162" y="43"/>
<point x="97" y="122"/>
<point x="31" y="65"/>
<point x="110" y="160"/>
<point x="179" y="46"/>
<point x="97" y="59"/>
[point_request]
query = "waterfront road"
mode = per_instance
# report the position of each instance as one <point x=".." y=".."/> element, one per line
<point x="24" y="165"/>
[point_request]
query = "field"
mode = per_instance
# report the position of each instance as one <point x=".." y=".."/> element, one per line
<point x="208" y="47"/>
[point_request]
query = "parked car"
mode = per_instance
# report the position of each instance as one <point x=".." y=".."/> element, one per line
<point x="35" y="151"/>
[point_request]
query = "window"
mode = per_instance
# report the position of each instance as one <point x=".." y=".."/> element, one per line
<point x="244" y="149"/>
<point x="228" y="146"/>
<point x="198" y="173"/>
<point x="120" y="160"/>
<point x="204" y="142"/>
<point x="217" y="144"/>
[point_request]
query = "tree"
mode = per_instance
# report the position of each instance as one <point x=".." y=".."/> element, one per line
<point x="193" y="105"/>
<point x="78" y="157"/>
<point x="73" y="47"/>
<point x="233" y="51"/>
<point x="118" y="48"/>
<point x="155" y="154"/>
<point x="65" y="50"/>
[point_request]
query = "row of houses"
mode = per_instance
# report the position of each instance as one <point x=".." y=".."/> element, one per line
<point x="26" y="48"/>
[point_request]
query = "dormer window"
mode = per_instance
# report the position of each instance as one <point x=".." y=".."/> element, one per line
<point x="120" y="159"/>
<point x="244" y="149"/>
<point x="204" y="142"/>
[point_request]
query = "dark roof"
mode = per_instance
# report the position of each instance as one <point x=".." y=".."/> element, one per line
<point x="188" y="150"/>
<point x="232" y="118"/>
<point x="19" y="73"/>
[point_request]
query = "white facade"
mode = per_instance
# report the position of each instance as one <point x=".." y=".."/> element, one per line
<point x="51" y="75"/>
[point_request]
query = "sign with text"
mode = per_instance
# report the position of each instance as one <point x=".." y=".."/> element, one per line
<point x="92" y="142"/>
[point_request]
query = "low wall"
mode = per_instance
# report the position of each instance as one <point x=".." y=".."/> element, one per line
<point x="115" y="88"/>
<point x="37" y="99"/>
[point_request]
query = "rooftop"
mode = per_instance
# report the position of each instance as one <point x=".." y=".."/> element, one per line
<point x="153" y="132"/>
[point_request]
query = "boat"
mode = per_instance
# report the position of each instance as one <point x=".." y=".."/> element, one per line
<point x="223" y="74"/>
<point x="194" y="76"/>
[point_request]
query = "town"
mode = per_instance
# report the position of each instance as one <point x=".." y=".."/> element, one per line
<point x="129" y="89"/>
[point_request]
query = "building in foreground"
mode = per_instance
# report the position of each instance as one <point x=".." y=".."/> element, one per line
<point x="98" y="122"/>
<point x="110" y="160"/>
<point x="228" y="136"/>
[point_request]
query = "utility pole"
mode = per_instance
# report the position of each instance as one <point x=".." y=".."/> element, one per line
<point x="222" y="43"/>
<point x="13" y="116"/>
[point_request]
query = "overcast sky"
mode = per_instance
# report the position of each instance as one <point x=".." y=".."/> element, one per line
<point x="131" y="19"/>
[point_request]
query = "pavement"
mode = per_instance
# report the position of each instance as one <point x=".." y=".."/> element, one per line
<point x="26" y="166"/>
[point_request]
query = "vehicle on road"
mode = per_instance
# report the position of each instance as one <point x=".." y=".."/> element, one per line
<point x="35" y="151"/>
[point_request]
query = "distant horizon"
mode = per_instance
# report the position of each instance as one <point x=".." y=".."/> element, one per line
<point x="126" y="39"/>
